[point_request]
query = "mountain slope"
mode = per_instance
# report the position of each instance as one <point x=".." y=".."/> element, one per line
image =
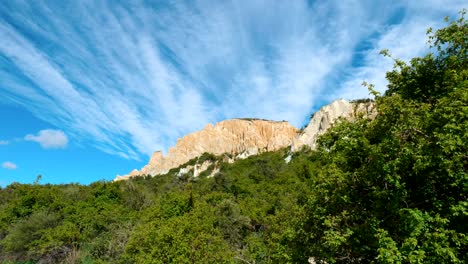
<point x="240" y="138"/>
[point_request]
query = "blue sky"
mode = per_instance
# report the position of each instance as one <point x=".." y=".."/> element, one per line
<point x="89" y="89"/>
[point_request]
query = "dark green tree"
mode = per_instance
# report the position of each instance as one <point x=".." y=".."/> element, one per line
<point x="395" y="189"/>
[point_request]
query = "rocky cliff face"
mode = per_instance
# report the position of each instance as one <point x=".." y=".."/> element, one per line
<point x="326" y="117"/>
<point x="245" y="137"/>
<point x="242" y="137"/>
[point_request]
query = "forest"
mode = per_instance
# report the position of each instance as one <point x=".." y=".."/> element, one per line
<point x="389" y="190"/>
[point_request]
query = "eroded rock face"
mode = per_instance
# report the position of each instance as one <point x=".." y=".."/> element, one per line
<point x="236" y="136"/>
<point x="246" y="137"/>
<point x="326" y="117"/>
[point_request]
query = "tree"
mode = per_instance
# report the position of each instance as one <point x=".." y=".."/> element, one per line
<point x="440" y="72"/>
<point x="395" y="189"/>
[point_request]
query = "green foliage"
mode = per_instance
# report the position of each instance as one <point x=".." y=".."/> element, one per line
<point x="394" y="189"/>
<point x="362" y="101"/>
<point x="199" y="160"/>
<point x="247" y="212"/>
<point x="437" y="74"/>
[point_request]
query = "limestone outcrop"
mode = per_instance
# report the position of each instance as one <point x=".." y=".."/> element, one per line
<point x="242" y="138"/>
<point x="327" y="116"/>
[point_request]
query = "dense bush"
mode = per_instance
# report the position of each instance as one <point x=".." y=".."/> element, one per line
<point x="241" y="213"/>
<point x="395" y="189"/>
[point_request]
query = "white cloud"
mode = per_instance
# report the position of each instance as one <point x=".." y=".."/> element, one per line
<point x="49" y="139"/>
<point x="9" y="165"/>
<point x="404" y="41"/>
<point x="4" y="142"/>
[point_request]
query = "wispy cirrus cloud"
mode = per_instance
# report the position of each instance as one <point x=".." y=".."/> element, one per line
<point x="404" y="40"/>
<point x="4" y="142"/>
<point x="131" y="79"/>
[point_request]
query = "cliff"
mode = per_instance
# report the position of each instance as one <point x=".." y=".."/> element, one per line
<point x="327" y="116"/>
<point x="245" y="137"/>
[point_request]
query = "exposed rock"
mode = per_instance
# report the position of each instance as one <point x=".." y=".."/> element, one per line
<point x="326" y="117"/>
<point x="213" y="173"/>
<point x="184" y="171"/>
<point x="199" y="168"/>
<point x="242" y="138"/>
<point x="196" y="169"/>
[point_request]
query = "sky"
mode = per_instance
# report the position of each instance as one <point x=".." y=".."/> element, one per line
<point x="90" y="89"/>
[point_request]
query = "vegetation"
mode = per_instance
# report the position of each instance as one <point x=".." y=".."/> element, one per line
<point x="243" y="212"/>
<point x="395" y="190"/>
<point x="362" y="101"/>
<point x="259" y="119"/>
<point x="389" y="190"/>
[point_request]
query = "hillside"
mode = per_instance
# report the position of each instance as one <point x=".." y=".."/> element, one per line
<point x="388" y="189"/>
<point x="240" y="138"/>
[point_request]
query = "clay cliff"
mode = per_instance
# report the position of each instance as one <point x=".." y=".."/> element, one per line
<point x="245" y="137"/>
<point x="242" y="137"/>
<point x="327" y="116"/>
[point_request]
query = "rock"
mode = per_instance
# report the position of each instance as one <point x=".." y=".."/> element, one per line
<point x="199" y="168"/>
<point x="327" y="116"/>
<point x="242" y="138"/>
